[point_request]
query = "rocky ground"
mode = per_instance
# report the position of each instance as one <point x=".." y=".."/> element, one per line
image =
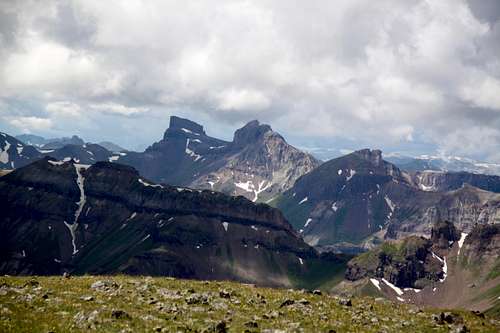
<point x="142" y="304"/>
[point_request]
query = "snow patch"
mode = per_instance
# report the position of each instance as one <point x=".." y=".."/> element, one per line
<point x="389" y="202"/>
<point x="114" y="158"/>
<point x="247" y="186"/>
<point x="189" y="131"/>
<point x="301" y="261"/>
<point x="225" y="225"/>
<point x="414" y="289"/>
<point x="339" y="172"/>
<point x="72" y="229"/>
<point x="309" y="220"/>
<point x="19" y="150"/>
<point x="445" y="266"/>
<point x="351" y="174"/>
<point x="4" y="154"/>
<point x="262" y="187"/>
<point x="445" y="270"/>
<point x="393" y="287"/>
<point x="56" y="162"/>
<point x="303" y="200"/>
<point x="376" y="283"/>
<point x="254" y="228"/>
<point x="335" y="207"/>
<point x="80" y="180"/>
<point x="400" y="299"/>
<point x="142" y="240"/>
<point x="148" y="184"/>
<point x="461" y="242"/>
<point x="190" y="152"/>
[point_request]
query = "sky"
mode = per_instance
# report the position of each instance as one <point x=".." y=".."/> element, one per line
<point x="410" y="76"/>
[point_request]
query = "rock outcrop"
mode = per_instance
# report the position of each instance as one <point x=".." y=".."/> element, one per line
<point x="452" y="269"/>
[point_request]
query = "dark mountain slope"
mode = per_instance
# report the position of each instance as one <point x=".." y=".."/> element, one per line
<point x="105" y="218"/>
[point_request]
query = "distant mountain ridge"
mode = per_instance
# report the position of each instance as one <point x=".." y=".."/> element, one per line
<point x="443" y="163"/>
<point x="15" y="154"/>
<point x="257" y="164"/>
<point x="54" y="143"/>
<point x="362" y="199"/>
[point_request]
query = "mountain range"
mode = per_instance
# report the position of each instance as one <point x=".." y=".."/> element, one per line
<point x="350" y="202"/>
<point x="359" y="200"/>
<point x="258" y="164"/>
<point x="15" y="154"/>
<point x="254" y="209"/>
<point x="443" y="163"/>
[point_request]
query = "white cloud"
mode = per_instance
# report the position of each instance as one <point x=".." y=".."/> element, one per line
<point x="377" y="72"/>
<point x="483" y="92"/>
<point x="30" y="124"/>
<point x="64" y="108"/>
<point x="118" y="109"/>
<point x="242" y="100"/>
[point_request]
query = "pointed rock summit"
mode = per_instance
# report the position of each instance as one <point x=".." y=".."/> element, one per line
<point x="250" y="133"/>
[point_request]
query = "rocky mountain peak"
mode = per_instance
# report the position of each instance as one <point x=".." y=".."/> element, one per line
<point x="373" y="156"/>
<point x="250" y="133"/>
<point x="187" y="126"/>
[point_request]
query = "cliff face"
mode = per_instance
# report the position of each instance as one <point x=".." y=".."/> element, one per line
<point x="105" y="218"/>
<point x="408" y="263"/>
<point x="452" y="269"/>
<point x="447" y="181"/>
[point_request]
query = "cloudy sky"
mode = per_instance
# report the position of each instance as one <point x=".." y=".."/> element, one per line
<point x="409" y="75"/>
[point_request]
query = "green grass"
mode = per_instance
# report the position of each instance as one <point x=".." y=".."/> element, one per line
<point x="296" y="214"/>
<point x="55" y="304"/>
<point x="321" y="274"/>
<point x="495" y="271"/>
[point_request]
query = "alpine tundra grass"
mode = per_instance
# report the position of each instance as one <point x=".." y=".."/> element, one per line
<point x="145" y="304"/>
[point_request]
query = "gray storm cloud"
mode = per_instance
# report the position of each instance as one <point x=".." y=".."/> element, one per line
<point x="383" y="72"/>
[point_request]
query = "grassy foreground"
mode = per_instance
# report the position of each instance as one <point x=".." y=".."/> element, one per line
<point x="144" y="304"/>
